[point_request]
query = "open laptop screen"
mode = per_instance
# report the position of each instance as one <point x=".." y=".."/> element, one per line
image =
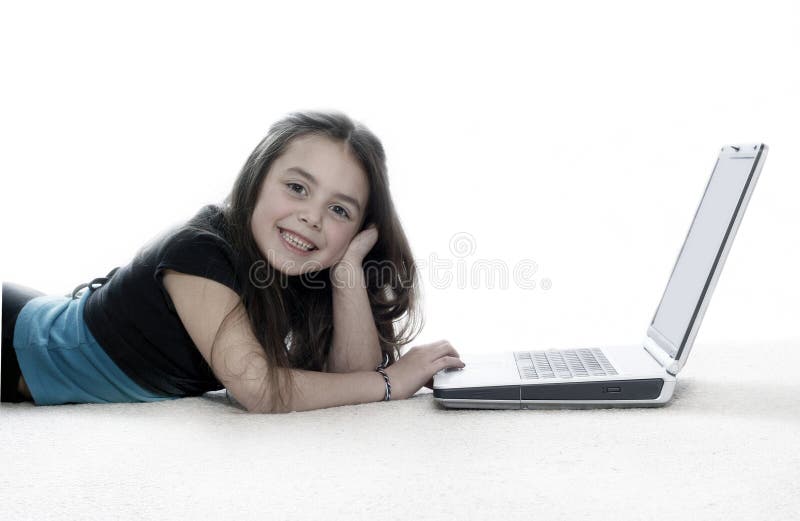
<point x="699" y="258"/>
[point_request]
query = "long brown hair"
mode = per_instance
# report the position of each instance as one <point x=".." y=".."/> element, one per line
<point x="292" y="317"/>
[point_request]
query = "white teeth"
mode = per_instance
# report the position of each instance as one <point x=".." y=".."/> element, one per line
<point x="296" y="242"/>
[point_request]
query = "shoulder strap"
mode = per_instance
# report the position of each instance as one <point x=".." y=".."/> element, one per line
<point x="94" y="284"/>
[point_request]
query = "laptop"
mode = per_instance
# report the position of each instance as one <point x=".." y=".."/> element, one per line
<point x="623" y="376"/>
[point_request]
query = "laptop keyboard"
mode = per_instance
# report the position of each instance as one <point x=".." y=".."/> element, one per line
<point x="565" y="363"/>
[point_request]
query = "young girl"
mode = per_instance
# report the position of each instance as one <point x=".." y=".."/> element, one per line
<point x="289" y="294"/>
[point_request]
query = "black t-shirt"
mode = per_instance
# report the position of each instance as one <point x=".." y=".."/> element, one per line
<point x="132" y="316"/>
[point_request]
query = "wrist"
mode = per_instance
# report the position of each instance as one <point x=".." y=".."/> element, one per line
<point x="387" y="384"/>
<point x="352" y="263"/>
<point x="347" y="273"/>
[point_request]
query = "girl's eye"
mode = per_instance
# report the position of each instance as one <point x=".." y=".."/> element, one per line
<point x="296" y="188"/>
<point x="340" y="211"/>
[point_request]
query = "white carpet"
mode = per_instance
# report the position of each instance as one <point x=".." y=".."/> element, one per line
<point x="727" y="447"/>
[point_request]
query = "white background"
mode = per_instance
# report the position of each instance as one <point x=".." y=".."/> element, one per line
<point x="578" y="135"/>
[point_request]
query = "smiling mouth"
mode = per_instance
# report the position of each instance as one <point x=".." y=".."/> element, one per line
<point x="295" y="241"/>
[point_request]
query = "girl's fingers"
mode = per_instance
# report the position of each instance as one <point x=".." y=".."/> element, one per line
<point x="446" y="349"/>
<point x="448" y="361"/>
<point x="436" y="350"/>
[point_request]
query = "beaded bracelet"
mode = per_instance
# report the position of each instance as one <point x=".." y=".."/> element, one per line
<point x="380" y="369"/>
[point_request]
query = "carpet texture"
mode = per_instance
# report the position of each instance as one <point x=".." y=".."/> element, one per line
<point x="726" y="447"/>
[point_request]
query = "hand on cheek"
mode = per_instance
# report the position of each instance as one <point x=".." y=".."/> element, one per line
<point x="361" y="244"/>
<point x="358" y="248"/>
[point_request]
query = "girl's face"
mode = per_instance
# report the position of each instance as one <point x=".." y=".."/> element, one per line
<point x="310" y="206"/>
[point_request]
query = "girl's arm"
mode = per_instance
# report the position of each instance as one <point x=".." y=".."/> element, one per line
<point x="355" y="345"/>
<point x="239" y="362"/>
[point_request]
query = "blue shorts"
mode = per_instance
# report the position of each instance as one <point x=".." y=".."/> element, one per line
<point x="63" y="363"/>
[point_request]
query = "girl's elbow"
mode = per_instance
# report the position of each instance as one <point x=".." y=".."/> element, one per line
<point x="262" y="406"/>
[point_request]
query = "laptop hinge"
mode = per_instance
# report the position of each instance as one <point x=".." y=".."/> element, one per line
<point x="660" y="356"/>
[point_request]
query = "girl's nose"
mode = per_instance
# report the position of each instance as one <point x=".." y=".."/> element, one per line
<point x="310" y="218"/>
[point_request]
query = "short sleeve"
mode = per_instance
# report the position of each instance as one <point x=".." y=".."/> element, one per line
<point x="199" y="253"/>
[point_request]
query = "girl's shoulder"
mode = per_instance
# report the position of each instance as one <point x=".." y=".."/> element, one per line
<point x="199" y="247"/>
<point x="207" y="227"/>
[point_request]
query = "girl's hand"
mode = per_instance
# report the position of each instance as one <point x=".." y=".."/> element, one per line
<point x="350" y="263"/>
<point x="361" y="244"/>
<point x="417" y="367"/>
